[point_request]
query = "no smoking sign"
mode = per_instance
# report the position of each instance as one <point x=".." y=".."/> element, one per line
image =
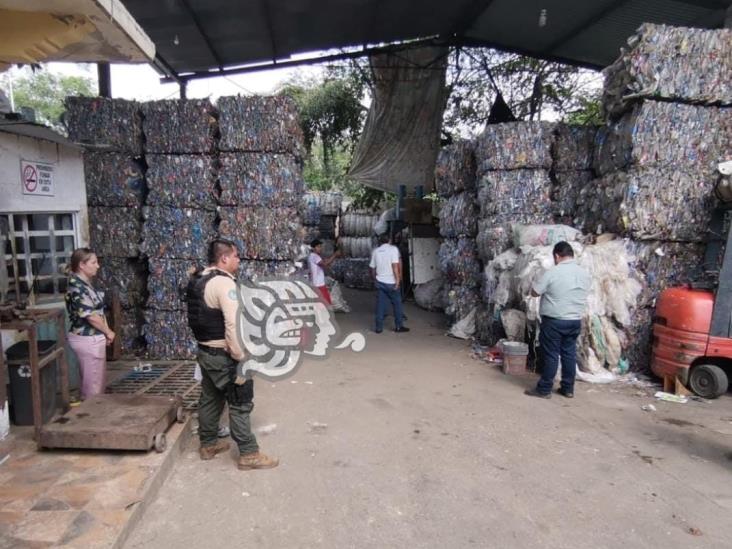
<point x="37" y="178"/>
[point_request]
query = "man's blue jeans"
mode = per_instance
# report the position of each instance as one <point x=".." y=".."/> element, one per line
<point x="558" y="338"/>
<point x="386" y="293"/>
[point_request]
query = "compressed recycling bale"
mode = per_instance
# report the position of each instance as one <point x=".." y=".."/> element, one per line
<point x="639" y="336"/>
<point x="317" y="203"/>
<point x="128" y="277"/>
<point x="662" y="134"/>
<point x="260" y="179"/>
<point x="356" y="246"/>
<point x="260" y="124"/>
<point x="566" y="191"/>
<point x="179" y="126"/>
<point x="461" y="300"/>
<point x="677" y="63"/>
<point x="115" y="232"/>
<point x="130" y="332"/>
<point x="650" y="204"/>
<point x="168" y="281"/>
<point x="177" y="233"/>
<point x="113" y="179"/>
<point x="517" y="192"/>
<point x="456" y="170"/>
<point x="353" y="273"/>
<point x="167" y="335"/>
<point x="262" y="233"/>
<point x="113" y="124"/>
<point x="661" y="265"/>
<point x="515" y="145"/>
<point x="459" y="216"/>
<point x="573" y="147"/>
<point x="254" y="270"/>
<point x="493" y="239"/>
<point x="309" y="210"/>
<point x="355" y="224"/>
<point x="327" y="227"/>
<point x="459" y="262"/>
<point x="181" y="181"/>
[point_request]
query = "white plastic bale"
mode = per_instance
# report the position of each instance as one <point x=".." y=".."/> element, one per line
<point x="430" y="295"/>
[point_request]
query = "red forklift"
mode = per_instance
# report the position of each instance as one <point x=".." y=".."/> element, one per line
<point x="692" y="330"/>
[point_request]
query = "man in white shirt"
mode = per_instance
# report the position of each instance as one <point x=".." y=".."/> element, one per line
<point x="317" y="266"/>
<point x="386" y="269"/>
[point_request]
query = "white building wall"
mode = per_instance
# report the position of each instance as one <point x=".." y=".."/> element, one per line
<point x="70" y="196"/>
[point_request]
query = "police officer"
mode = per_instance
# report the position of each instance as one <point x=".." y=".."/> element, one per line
<point x="212" y="316"/>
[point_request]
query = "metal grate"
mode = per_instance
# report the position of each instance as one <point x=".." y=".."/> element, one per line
<point x="162" y="379"/>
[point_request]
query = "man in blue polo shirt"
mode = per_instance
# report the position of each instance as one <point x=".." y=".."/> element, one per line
<point x="563" y="292"/>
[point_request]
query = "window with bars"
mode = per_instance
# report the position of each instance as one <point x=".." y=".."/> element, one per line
<point x="37" y="247"/>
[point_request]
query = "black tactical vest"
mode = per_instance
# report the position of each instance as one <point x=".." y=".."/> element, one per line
<point x="206" y="323"/>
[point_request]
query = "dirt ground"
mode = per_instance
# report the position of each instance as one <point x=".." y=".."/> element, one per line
<point x="412" y="443"/>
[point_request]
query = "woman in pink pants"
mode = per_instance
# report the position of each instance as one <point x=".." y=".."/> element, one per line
<point x="90" y="333"/>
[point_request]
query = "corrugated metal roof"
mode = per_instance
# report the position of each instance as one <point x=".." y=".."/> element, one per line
<point x="198" y="36"/>
<point x="36" y="131"/>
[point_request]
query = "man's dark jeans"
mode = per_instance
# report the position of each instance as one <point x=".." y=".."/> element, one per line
<point x="558" y="338"/>
<point x="386" y="293"/>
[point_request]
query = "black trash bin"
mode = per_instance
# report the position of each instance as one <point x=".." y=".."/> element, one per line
<point x="21" y="394"/>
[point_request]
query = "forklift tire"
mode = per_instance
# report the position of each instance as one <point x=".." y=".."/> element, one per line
<point x="160" y="443"/>
<point x="708" y="381"/>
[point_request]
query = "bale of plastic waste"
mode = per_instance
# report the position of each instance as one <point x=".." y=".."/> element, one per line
<point x="355" y="246"/>
<point x="258" y="179"/>
<point x="461" y="302"/>
<point x="253" y="270"/>
<point x="657" y="134"/>
<point x="518" y="192"/>
<point x="455" y="170"/>
<point x="180" y="126"/>
<point x="660" y="265"/>
<point x="262" y="233"/>
<point x="573" y="147"/>
<point x="459" y="262"/>
<point x="683" y="64"/>
<point x="100" y="122"/>
<point x="115" y="232"/>
<point x="459" y="216"/>
<point x="430" y="295"/>
<point x="493" y="239"/>
<point x="260" y="124"/>
<point x="515" y="145"/>
<point x="113" y="179"/>
<point x="125" y="276"/>
<point x="353" y="273"/>
<point x="324" y="202"/>
<point x="177" y="233"/>
<point x="327" y="227"/>
<point x="543" y="235"/>
<point x="167" y="335"/>
<point x="182" y="181"/>
<point x="355" y="224"/>
<point x="566" y="191"/>
<point x="167" y="282"/>
<point x="649" y="204"/>
<point x="130" y="332"/>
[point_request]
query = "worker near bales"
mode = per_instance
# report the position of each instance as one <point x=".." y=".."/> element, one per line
<point x="386" y="270"/>
<point x="212" y="315"/>
<point x="317" y="266"/>
<point x="563" y="291"/>
<point x="89" y="333"/>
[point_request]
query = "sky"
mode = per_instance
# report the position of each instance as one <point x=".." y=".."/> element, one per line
<point x="142" y="82"/>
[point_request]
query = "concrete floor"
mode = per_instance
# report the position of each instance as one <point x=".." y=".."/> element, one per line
<point x="426" y="447"/>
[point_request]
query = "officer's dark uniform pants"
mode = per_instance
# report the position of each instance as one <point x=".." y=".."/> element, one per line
<point x="216" y="370"/>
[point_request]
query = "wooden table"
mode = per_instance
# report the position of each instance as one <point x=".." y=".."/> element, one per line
<point x="27" y="321"/>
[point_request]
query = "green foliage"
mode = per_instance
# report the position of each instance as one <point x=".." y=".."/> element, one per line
<point x="590" y="112"/>
<point x="45" y="93"/>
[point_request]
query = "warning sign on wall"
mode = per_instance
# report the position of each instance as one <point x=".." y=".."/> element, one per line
<point x="37" y="178"/>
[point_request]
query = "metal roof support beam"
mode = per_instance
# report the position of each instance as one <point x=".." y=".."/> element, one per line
<point x="587" y="23"/>
<point x="309" y="61"/>
<point x="202" y="33"/>
<point x="477" y="43"/>
<point x="163" y="66"/>
<point x="104" y="76"/>
<point x="728" y="18"/>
